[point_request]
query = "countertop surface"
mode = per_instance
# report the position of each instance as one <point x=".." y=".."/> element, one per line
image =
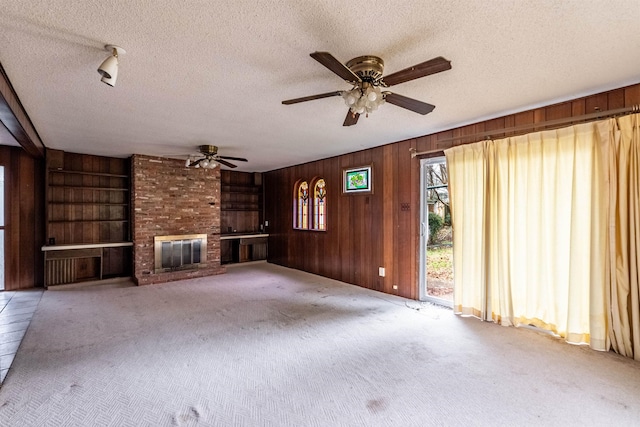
<point x="228" y="236"/>
<point x="85" y="246"/>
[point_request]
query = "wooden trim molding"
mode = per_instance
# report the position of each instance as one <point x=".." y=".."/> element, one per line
<point x="14" y="117"/>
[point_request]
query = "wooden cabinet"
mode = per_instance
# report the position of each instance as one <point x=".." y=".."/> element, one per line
<point x="243" y="248"/>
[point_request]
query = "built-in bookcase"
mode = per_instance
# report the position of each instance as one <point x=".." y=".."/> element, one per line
<point x="87" y="203"/>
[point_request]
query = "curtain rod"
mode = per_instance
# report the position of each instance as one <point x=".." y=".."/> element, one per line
<point x="486" y="135"/>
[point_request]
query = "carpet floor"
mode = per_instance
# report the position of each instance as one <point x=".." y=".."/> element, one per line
<point x="263" y="345"/>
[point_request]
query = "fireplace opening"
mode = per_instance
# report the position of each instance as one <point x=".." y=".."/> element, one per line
<point x="179" y="252"/>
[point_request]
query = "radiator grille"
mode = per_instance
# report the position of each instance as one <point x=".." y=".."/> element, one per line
<point x="59" y="271"/>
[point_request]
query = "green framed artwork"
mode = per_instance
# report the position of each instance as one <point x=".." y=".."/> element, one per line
<point x="357" y="180"/>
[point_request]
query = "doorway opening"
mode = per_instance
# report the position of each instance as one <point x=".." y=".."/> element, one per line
<point x="436" y="234"/>
<point x="2" y="228"/>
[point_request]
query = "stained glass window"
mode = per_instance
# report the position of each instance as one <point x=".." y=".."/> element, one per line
<point x="319" y="205"/>
<point x="302" y="206"/>
<point x="310" y="205"/>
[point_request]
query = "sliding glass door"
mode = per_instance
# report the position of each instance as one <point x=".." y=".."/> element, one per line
<point x="2" y="228"/>
<point x="436" y="235"/>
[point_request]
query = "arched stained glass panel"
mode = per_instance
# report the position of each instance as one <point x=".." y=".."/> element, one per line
<point x="303" y="206"/>
<point x="319" y="205"/>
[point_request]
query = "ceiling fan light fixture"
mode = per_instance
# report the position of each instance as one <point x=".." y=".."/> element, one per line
<point x="350" y="96"/>
<point x="364" y="98"/>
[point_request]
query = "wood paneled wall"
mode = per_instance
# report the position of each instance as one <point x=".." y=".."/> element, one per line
<point x="365" y="232"/>
<point x="24" y="218"/>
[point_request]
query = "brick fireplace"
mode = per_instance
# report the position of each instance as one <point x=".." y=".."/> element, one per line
<point x="170" y="200"/>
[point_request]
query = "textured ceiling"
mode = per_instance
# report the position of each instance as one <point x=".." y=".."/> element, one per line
<point x="215" y="72"/>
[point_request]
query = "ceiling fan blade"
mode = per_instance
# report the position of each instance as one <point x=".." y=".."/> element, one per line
<point x="409" y="103"/>
<point x="238" y="159"/>
<point x="351" y="119"/>
<point x="311" y="98"/>
<point x="329" y="61"/>
<point x="195" y="163"/>
<point x="224" y="162"/>
<point x="423" y="69"/>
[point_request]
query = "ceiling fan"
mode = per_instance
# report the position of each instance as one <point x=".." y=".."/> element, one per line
<point x="210" y="158"/>
<point x="365" y="74"/>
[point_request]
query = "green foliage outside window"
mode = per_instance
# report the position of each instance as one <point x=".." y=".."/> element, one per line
<point x="435" y="224"/>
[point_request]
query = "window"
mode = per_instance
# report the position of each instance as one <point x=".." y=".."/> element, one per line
<point x="310" y="205"/>
<point x="301" y="206"/>
<point x="319" y="205"/>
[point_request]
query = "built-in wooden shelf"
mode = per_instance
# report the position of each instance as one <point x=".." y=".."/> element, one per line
<point x="88" y="204"/>
<point x="110" y="175"/>
<point x="62" y="221"/>
<point x="241" y="208"/>
<point x="88" y="217"/>
<point x="248" y="193"/>
<point x="83" y="187"/>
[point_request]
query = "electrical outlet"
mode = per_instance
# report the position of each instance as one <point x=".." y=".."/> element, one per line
<point x="266" y="223"/>
<point x="395" y="287"/>
<point x="381" y="271"/>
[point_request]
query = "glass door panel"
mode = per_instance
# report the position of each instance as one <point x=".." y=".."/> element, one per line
<point x="436" y="257"/>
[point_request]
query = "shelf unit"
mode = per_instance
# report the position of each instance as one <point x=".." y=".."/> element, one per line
<point x="241" y="202"/>
<point x="86" y="206"/>
<point x="241" y="211"/>
<point x="88" y="202"/>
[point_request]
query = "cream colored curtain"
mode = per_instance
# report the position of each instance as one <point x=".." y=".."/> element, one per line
<point x="469" y="178"/>
<point x="530" y="231"/>
<point x="624" y="242"/>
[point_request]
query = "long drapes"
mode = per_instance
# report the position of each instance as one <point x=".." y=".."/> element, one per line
<point x="624" y="240"/>
<point x="529" y="231"/>
<point x="547" y="231"/>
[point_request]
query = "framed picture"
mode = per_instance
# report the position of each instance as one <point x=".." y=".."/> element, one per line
<point x="357" y="180"/>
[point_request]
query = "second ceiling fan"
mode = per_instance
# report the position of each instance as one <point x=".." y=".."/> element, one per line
<point x="365" y="74"/>
<point x="209" y="157"/>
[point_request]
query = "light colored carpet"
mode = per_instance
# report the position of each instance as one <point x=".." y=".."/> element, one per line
<point x="268" y="346"/>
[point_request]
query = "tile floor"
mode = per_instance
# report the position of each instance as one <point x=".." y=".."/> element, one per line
<point x="16" y="311"/>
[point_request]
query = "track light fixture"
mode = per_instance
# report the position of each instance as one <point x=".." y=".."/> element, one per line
<point x="109" y="67"/>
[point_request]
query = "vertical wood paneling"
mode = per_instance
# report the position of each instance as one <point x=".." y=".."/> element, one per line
<point x="405" y="219"/>
<point x="27" y="220"/>
<point x="382" y="229"/>
<point x="596" y="103"/>
<point x="559" y="111"/>
<point x="615" y="99"/>
<point x="24" y="219"/>
<point x="388" y="173"/>
<point x="632" y="95"/>
<point x="12" y="224"/>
